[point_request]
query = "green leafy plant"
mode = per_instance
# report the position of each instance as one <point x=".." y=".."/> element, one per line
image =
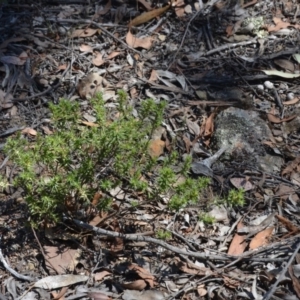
<point x="236" y="198"/>
<point x="60" y="173"/>
<point x="163" y="234"/>
<point x="207" y="218"/>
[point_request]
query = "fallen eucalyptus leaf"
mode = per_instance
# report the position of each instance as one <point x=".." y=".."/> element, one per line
<point x="280" y="74"/>
<point x="58" y="281"/>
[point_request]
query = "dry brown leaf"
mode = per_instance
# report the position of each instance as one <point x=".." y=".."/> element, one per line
<point x="285" y="64"/>
<point x="231" y="282"/>
<point x="98" y="60"/>
<point x="243" y="183"/>
<point x="5" y="100"/>
<point x="144" y="274"/>
<point x="188" y="143"/>
<point x="98" y="219"/>
<point x="291" y="102"/>
<point x="191" y="268"/>
<point x="98" y="295"/>
<point x="295" y="179"/>
<point x="30" y="131"/>
<point x="135" y="42"/>
<point x="229" y="30"/>
<point x="288" y="224"/>
<point x="138" y="285"/>
<point x="100" y="275"/>
<point x="179" y="12"/>
<point x="90" y="124"/>
<point x="47" y="130"/>
<point x="60" y="295"/>
<point x="209" y="125"/>
<point x="261" y="239"/>
<point x="291" y="166"/>
<point x="61" y="259"/>
<point x="276" y="120"/>
<point x="295" y="280"/>
<point x="62" y="67"/>
<point x="156" y="148"/>
<point x="153" y="76"/>
<point x="249" y="3"/>
<point x="113" y="54"/>
<point x="284" y="191"/>
<point x="201" y="290"/>
<point x="148" y="16"/>
<point x="96" y="198"/>
<point x="83" y="32"/>
<point x="280" y="25"/>
<point x="193" y="127"/>
<point x="85" y="48"/>
<point x="238" y="244"/>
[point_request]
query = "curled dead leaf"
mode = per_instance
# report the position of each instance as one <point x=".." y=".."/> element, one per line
<point x="291" y="102"/>
<point x="274" y="119"/>
<point x="138" y="285"/>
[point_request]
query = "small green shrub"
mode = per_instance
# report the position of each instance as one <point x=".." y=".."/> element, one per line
<point x="236" y="198"/>
<point x="76" y="161"/>
<point x="163" y="234"/>
<point x="207" y="218"/>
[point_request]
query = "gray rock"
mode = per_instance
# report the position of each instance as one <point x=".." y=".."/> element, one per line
<point x="242" y="132"/>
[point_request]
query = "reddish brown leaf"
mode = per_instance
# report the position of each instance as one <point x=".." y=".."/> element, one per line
<point x="209" y="125"/>
<point x="100" y="275"/>
<point x="156" y="148"/>
<point x="261" y="239"/>
<point x="113" y="54"/>
<point x="238" y="243"/>
<point x="291" y="102"/>
<point x="87" y="32"/>
<point x="148" y="16"/>
<point x="295" y="280"/>
<point x="276" y="120"/>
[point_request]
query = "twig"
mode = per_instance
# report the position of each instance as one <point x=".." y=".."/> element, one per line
<point x="140" y="238"/>
<point x="184" y="35"/>
<point x="229" y="46"/>
<point x="12" y="271"/>
<point x="270" y="293"/>
<point x="184" y="240"/>
<point x="101" y="26"/>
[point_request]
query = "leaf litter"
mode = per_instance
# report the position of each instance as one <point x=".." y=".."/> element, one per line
<point x="177" y="52"/>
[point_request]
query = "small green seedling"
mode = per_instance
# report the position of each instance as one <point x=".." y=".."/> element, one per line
<point x="207" y="219"/>
<point x="236" y="198"/>
<point x="163" y="234"/>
